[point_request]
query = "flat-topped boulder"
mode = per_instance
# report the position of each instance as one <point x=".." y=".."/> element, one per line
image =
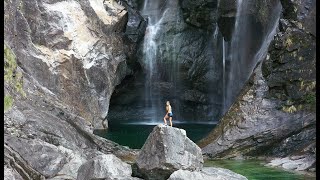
<point x="166" y="150"/>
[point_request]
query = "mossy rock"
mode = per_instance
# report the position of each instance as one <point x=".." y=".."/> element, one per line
<point x="10" y="65"/>
<point x="13" y="78"/>
<point x="8" y="102"/>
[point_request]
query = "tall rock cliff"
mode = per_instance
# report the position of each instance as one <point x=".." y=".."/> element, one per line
<point x="77" y="50"/>
<point x="62" y="61"/>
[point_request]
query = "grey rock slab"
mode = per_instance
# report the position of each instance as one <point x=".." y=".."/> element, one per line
<point x="8" y="174"/>
<point x="168" y="149"/>
<point x="104" y="166"/>
<point x="208" y="173"/>
<point x="223" y="173"/>
<point x="41" y="156"/>
<point x="298" y="163"/>
<point x="279" y="161"/>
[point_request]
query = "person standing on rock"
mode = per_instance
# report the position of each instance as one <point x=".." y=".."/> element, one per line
<point x="168" y="114"/>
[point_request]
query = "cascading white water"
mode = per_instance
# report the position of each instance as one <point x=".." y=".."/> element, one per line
<point x="235" y="59"/>
<point x="152" y="10"/>
<point x="240" y="60"/>
<point x="223" y="74"/>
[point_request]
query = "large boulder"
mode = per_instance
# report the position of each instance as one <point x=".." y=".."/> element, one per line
<point x="208" y="173"/>
<point x="105" y="167"/>
<point x="166" y="150"/>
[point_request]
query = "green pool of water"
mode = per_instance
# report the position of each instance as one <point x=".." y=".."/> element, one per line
<point x="135" y="135"/>
<point x="255" y="170"/>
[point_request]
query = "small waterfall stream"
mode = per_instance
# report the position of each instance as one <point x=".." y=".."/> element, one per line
<point x="239" y="55"/>
<point x="223" y="74"/>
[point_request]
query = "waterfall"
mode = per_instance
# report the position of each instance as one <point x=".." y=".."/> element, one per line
<point x="152" y="10"/>
<point x="223" y="74"/>
<point x="242" y="57"/>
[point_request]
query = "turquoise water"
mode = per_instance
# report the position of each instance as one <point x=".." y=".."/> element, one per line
<point x="255" y="170"/>
<point x="134" y="135"/>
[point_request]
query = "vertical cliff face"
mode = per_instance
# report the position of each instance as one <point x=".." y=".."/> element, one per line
<point x="275" y="112"/>
<point x="77" y="50"/>
<point x="62" y="62"/>
<point x="291" y="70"/>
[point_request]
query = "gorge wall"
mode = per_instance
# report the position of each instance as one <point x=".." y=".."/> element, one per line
<point x="62" y="61"/>
<point x="275" y="114"/>
<point x="79" y="53"/>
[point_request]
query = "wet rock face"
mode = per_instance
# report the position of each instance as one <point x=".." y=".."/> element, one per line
<point x="166" y="150"/>
<point x="136" y="25"/>
<point x="257" y="12"/>
<point x="302" y="11"/>
<point x="201" y="14"/>
<point x="77" y="49"/>
<point x="291" y="72"/>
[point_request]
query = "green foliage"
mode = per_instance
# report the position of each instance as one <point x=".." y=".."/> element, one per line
<point x="10" y="65"/>
<point x="13" y="78"/>
<point x="8" y="101"/>
<point x="310" y="98"/>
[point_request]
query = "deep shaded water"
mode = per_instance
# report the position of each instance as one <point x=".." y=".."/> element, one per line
<point x="255" y="170"/>
<point x="135" y="134"/>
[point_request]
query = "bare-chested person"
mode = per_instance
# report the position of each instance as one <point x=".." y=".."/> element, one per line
<point x="168" y="114"/>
